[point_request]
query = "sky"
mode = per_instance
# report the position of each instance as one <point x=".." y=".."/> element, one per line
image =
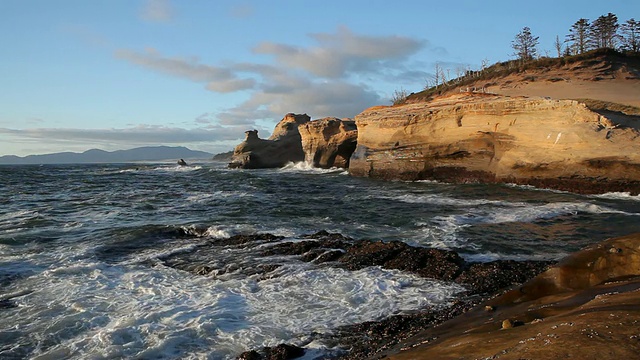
<point x="119" y="74"/>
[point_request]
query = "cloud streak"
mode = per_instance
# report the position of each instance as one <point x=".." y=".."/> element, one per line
<point x="142" y="134"/>
<point x="321" y="80"/>
<point x="343" y="53"/>
<point x="218" y="79"/>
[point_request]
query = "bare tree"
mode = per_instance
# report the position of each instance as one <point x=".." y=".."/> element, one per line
<point x="604" y="31"/>
<point x="631" y="35"/>
<point x="525" y="45"/>
<point x="578" y="37"/>
<point x="485" y="64"/>
<point x="558" y="46"/>
<point x="399" y="97"/>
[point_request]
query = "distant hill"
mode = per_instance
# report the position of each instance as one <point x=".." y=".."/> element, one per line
<point x="149" y="153"/>
<point x="225" y="156"/>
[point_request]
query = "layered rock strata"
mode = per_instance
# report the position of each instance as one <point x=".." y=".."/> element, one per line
<point x="329" y="142"/>
<point x="282" y="147"/>
<point x="324" y="143"/>
<point x="586" y="307"/>
<point x="474" y="137"/>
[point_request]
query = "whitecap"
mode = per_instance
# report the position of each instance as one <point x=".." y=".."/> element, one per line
<point x="618" y="196"/>
<point x="523" y="212"/>
<point x="306" y="167"/>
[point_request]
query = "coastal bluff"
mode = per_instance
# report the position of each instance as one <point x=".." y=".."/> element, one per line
<point x="490" y="138"/>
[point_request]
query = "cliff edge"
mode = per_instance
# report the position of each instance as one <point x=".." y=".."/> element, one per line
<point x="490" y="138"/>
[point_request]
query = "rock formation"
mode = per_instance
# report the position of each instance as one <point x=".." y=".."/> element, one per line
<point x="282" y="147"/>
<point x="329" y="142"/>
<point x="586" y="307"/>
<point x="476" y="137"/>
<point x="326" y="143"/>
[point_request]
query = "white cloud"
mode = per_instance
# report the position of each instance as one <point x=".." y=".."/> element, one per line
<point x="319" y="80"/>
<point x="157" y="11"/>
<point x="218" y="79"/>
<point x="342" y="53"/>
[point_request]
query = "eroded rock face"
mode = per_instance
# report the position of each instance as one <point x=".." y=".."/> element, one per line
<point x="282" y="147"/>
<point x="586" y="307"/>
<point x="490" y="138"/>
<point x="329" y="142"/>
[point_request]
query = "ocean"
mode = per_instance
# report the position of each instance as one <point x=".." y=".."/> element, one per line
<point x="83" y="249"/>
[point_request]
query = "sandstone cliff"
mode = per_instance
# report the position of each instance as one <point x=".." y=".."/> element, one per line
<point x="283" y="146"/>
<point x="586" y="307"/>
<point x="473" y="137"/>
<point x="329" y="142"/>
<point x="326" y="143"/>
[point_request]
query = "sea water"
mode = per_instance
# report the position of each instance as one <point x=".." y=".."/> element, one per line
<point x="81" y="249"/>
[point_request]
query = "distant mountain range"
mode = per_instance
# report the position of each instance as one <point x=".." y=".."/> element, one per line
<point x="149" y="153"/>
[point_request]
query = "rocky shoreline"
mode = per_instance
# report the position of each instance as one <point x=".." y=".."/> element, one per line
<point x="465" y="138"/>
<point x="586" y="306"/>
<point x="481" y="280"/>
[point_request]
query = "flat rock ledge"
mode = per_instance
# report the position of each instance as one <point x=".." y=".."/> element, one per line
<point x="586" y="307"/>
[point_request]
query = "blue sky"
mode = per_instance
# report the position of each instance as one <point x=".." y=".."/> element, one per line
<point x="117" y="74"/>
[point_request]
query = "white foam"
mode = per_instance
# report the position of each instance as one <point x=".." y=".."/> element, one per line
<point x="438" y="199"/>
<point x="200" y="197"/>
<point x="89" y="310"/>
<point x="618" y="196"/>
<point x="306" y="167"/>
<point x="177" y="168"/>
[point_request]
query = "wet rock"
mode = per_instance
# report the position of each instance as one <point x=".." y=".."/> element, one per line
<point x="366" y="340"/>
<point x="280" y="352"/>
<point x="488" y="278"/>
<point x="252" y="239"/>
<point x="250" y="355"/>
<point x="397" y="255"/>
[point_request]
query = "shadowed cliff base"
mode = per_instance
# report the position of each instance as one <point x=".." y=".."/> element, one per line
<point x="488" y="138"/>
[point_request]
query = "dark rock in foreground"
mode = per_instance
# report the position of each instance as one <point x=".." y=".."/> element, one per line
<point x="280" y="352"/>
<point x="264" y="255"/>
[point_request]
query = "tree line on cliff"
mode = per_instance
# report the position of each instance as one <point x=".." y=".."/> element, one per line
<point x="603" y="33"/>
<point x="602" y="36"/>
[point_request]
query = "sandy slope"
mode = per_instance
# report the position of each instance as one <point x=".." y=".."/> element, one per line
<point x="617" y="90"/>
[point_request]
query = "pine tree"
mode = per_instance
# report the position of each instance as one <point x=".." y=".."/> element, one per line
<point x="525" y="45"/>
<point x="604" y="31"/>
<point x="579" y="37"/>
<point x="631" y="35"/>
